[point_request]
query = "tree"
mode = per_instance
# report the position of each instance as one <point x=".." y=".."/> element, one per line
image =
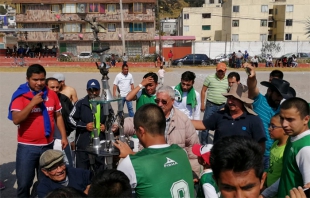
<point x="270" y="47"/>
<point x="308" y="28"/>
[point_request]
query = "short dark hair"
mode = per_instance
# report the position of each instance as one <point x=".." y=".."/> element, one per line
<point x="188" y="76"/>
<point x="66" y="192"/>
<point x="151" y="118"/>
<point x="50" y="79"/>
<point x="277" y="73"/>
<point x="124" y="65"/>
<point x="236" y="153"/>
<point x="35" y="69"/>
<point x="234" y="74"/>
<point x="300" y="104"/>
<point x="153" y="75"/>
<point x="110" y="183"/>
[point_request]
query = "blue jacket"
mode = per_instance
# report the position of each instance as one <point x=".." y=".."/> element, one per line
<point x="78" y="179"/>
<point x="80" y="116"/>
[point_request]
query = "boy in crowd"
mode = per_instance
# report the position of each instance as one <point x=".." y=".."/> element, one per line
<point x="207" y="186"/>
<point x="276" y="152"/>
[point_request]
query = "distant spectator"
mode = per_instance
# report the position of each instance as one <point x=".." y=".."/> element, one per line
<point x="294" y="61"/>
<point x="113" y="61"/>
<point x="66" y="192"/>
<point x="161" y="75"/>
<point x="158" y="61"/>
<point x="254" y="61"/>
<point x="20" y="51"/>
<point x="8" y="52"/>
<point x="239" y="57"/>
<point x="170" y="56"/>
<point x="246" y="56"/>
<point x="54" y="51"/>
<point x="269" y="62"/>
<point x="125" y="59"/>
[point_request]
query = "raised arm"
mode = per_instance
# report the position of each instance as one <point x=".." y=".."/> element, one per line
<point x="203" y="96"/>
<point x="132" y="94"/>
<point x="251" y="81"/>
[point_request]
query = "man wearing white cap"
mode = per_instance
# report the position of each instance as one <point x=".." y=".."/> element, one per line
<point x="237" y="118"/>
<point x="65" y="89"/>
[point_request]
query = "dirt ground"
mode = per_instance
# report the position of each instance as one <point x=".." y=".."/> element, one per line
<point x="9" y="81"/>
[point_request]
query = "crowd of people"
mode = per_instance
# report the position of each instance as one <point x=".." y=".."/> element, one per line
<point x="260" y="146"/>
<point x="37" y="51"/>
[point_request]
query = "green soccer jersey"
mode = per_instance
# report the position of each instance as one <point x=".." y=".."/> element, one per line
<point x="207" y="186"/>
<point x="291" y="176"/>
<point x="163" y="172"/>
<point x="145" y="99"/>
<point x="276" y="163"/>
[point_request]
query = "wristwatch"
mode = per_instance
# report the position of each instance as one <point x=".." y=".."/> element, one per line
<point x="141" y="86"/>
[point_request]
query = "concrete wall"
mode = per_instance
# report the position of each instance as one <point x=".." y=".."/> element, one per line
<point x="213" y="49"/>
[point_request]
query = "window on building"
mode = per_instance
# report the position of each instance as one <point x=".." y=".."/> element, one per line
<point x="81" y="8"/>
<point x="69" y="8"/>
<point x="111" y="27"/>
<point x="93" y="8"/>
<point x="206" y="27"/>
<point x="275" y="37"/>
<point x="263" y="37"/>
<point x="72" y="27"/>
<point x="88" y="28"/>
<point x="55" y="8"/>
<point x="263" y="23"/>
<point x="289" y="22"/>
<point x="211" y="1"/>
<point x="288" y="37"/>
<point x="206" y="15"/>
<point x="235" y="23"/>
<point x="166" y="26"/>
<point x="235" y="8"/>
<point x="289" y="8"/>
<point x="137" y="7"/>
<point x="101" y="8"/>
<point x="137" y="27"/>
<point x="264" y="8"/>
<point x="235" y="37"/>
<point x="111" y="8"/>
<point x="186" y="16"/>
<point x="56" y="28"/>
<point x="186" y="28"/>
<point x="270" y="11"/>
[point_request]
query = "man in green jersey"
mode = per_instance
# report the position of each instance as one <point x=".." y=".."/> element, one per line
<point x="160" y="169"/>
<point x="294" y="117"/>
<point x="144" y="93"/>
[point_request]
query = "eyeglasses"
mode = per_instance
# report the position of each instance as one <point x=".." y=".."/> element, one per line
<point x="92" y="90"/>
<point x="164" y="102"/>
<point x="55" y="167"/>
<point x="273" y="127"/>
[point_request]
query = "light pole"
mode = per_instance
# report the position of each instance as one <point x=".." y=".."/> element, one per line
<point x="122" y="26"/>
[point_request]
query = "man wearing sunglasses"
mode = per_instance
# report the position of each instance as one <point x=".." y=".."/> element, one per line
<point x="179" y="129"/>
<point x="81" y="116"/>
<point x="58" y="175"/>
<point x="144" y="93"/>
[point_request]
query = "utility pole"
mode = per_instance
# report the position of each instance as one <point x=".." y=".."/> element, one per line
<point x="225" y="44"/>
<point x="122" y="27"/>
<point x="159" y="28"/>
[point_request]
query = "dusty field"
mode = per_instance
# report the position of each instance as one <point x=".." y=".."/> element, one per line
<point x="11" y="78"/>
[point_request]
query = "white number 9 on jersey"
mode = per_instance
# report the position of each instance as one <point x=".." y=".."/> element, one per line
<point x="179" y="189"/>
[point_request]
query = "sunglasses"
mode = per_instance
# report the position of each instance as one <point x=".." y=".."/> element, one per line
<point x="55" y="167"/>
<point x="157" y="101"/>
<point x="273" y="127"/>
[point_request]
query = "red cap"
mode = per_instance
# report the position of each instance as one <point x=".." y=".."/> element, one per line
<point x="203" y="151"/>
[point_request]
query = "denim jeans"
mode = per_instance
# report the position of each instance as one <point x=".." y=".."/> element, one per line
<point x="209" y="110"/>
<point x="238" y="63"/>
<point x="27" y="162"/>
<point x="129" y="107"/>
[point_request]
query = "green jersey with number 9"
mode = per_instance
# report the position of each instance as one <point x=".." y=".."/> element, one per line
<point x="163" y="172"/>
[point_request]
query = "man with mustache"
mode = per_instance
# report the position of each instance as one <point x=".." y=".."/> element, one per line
<point x="237" y="118"/>
<point x="81" y="116"/>
<point x="58" y="175"/>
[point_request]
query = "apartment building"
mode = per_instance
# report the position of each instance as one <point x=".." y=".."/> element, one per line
<point x="250" y="20"/>
<point x="205" y="23"/>
<point x="73" y="34"/>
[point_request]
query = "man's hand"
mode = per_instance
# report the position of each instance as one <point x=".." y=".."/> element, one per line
<point x="251" y="71"/>
<point x="64" y="143"/>
<point x="296" y="193"/>
<point x="202" y="108"/>
<point x="90" y="126"/>
<point x="37" y="99"/>
<point x="124" y="149"/>
<point x="114" y="127"/>
<point x="102" y="127"/>
<point x="147" y="81"/>
<point x="87" y="189"/>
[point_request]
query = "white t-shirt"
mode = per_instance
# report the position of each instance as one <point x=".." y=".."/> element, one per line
<point x="124" y="83"/>
<point x="161" y="73"/>
<point x="192" y="113"/>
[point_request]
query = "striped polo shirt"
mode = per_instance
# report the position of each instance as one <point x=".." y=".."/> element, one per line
<point x="216" y="87"/>
<point x="265" y="112"/>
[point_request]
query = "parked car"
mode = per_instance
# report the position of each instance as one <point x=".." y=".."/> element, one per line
<point x="65" y="56"/>
<point x="85" y="55"/>
<point x="303" y="55"/>
<point x="192" y="59"/>
<point x="222" y="58"/>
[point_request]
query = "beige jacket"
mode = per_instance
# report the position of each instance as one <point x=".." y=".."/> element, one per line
<point x="181" y="132"/>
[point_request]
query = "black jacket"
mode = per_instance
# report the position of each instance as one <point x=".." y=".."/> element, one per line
<point x="80" y="116"/>
<point x="67" y="107"/>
